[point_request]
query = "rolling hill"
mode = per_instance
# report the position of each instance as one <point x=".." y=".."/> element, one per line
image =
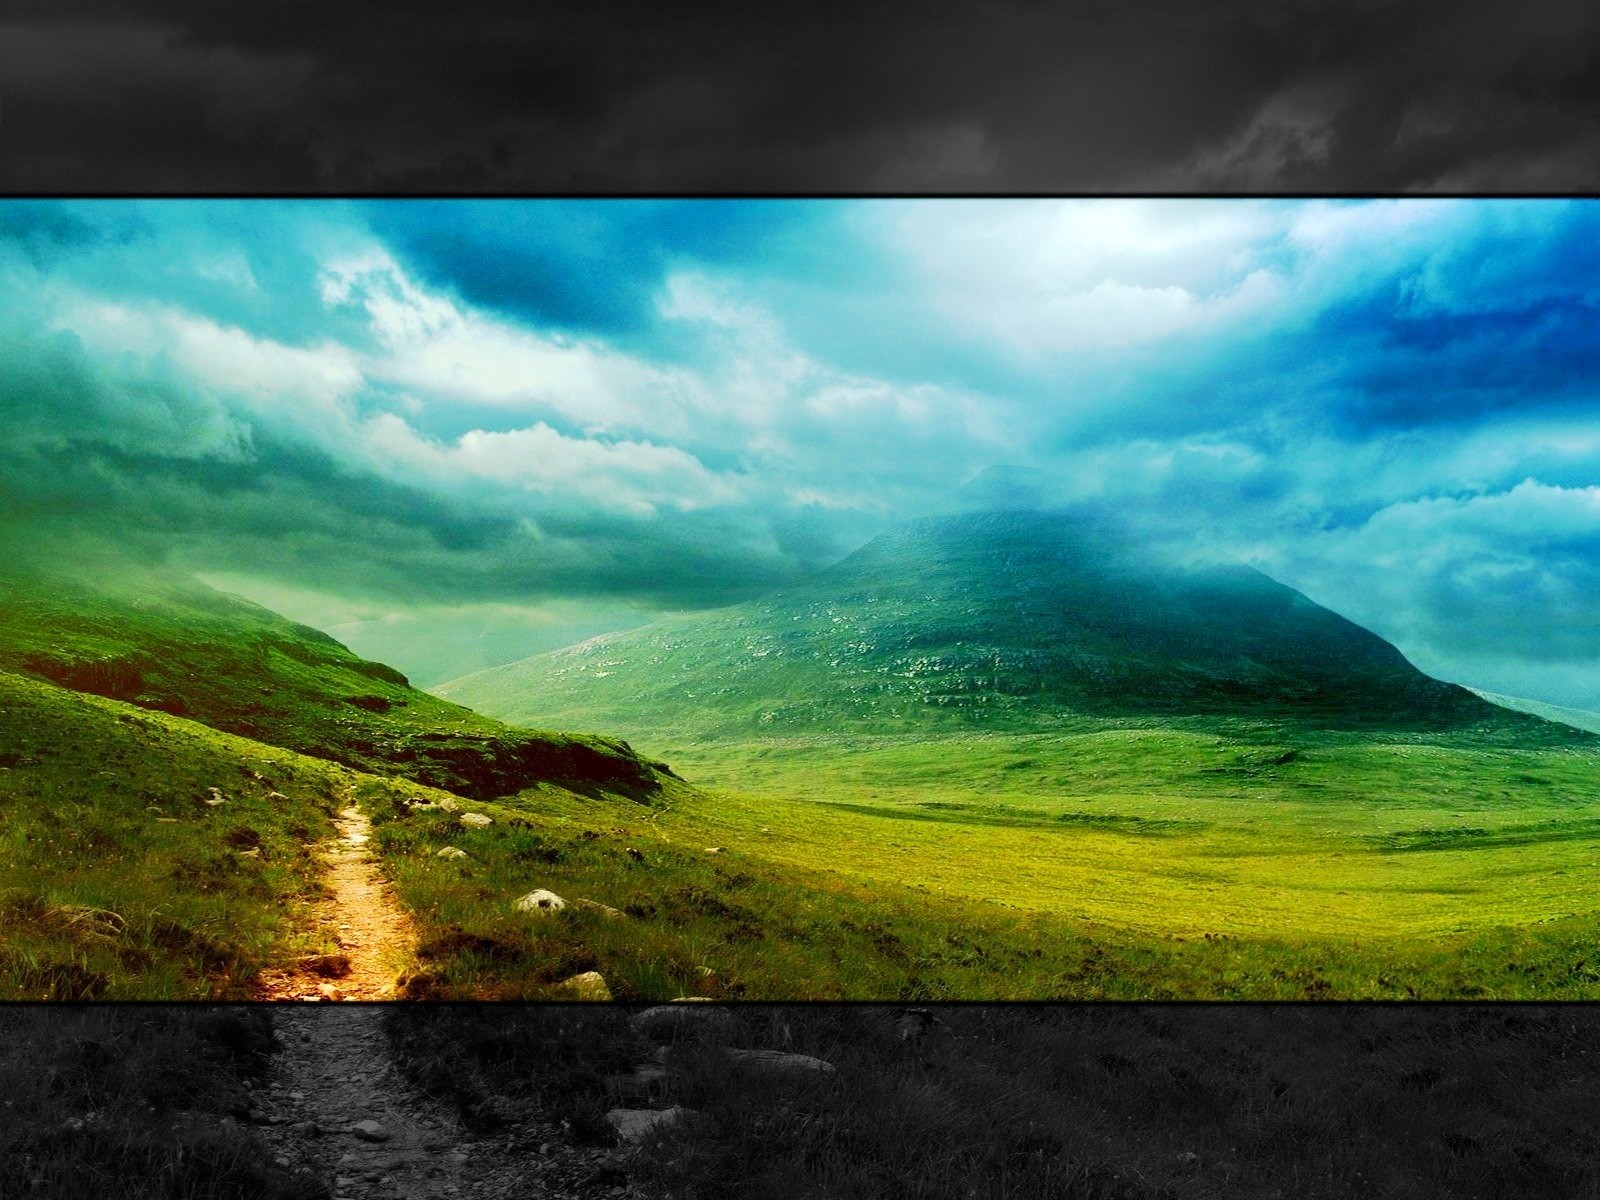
<point x="1013" y="620"/>
<point x="164" y="641"/>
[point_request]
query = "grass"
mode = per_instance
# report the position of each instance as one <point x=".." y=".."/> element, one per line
<point x="135" y="1101"/>
<point x="803" y="912"/>
<point x="164" y="641"/>
<point x="1128" y="858"/>
<point x="1091" y="1102"/>
<point x="121" y="880"/>
<point x="1268" y="833"/>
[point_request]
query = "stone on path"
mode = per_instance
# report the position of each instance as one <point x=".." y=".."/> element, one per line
<point x="476" y="820"/>
<point x="590" y="985"/>
<point x="451" y="852"/>
<point x="539" y="900"/>
<point x="636" y="1124"/>
<point x="370" y="1131"/>
<point x="780" y="1060"/>
<point x="329" y="966"/>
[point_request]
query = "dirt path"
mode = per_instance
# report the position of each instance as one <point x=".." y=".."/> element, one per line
<point x="375" y="937"/>
<point x="334" y="1072"/>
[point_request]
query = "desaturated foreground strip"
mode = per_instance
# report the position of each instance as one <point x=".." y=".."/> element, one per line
<point x="714" y="1102"/>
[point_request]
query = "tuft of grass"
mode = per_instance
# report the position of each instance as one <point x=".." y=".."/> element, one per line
<point x="136" y="1101"/>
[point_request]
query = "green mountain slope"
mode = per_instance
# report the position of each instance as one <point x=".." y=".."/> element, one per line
<point x="1002" y="620"/>
<point x="167" y="642"/>
<point x="1578" y="718"/>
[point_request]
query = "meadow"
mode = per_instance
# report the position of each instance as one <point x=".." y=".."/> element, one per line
<point x="1124" y="863"/>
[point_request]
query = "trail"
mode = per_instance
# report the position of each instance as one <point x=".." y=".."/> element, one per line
<point x="334" y="1071"/>
<point x="376" y="938"/>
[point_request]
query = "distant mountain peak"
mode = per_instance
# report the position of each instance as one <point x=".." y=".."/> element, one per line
<point x="1010" y="618"/>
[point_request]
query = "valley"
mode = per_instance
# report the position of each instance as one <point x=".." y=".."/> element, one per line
<point x="203" y="799"/>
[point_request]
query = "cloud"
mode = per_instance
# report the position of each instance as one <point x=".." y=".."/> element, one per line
<point x="1311" y="95"/>
<point x="1387" y="404"/>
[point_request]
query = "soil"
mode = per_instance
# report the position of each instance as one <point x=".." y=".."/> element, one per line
<point x="359" y="914"/>
<point x="334" y="1072"/>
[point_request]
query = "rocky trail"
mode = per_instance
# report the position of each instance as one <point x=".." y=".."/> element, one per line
<point x="336" y="1109"/>
<point x="359" y="914"/>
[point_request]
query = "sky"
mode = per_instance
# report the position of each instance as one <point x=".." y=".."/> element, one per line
<point x="455" y="432"/>
<point x="867" y="96"/>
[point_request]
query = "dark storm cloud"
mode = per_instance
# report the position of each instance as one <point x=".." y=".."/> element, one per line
<point x="1305" y="95"/>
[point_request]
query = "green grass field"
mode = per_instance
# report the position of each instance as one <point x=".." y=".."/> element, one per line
<point x="1123" y="864"/>
<point x="1137" y="856"/>
<point x="1181" y="832"/>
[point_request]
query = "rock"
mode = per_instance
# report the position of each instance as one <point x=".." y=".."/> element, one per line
<point x="539" y="901"/>
<point x="636" y="1124"/>
<point x="912" y="1023"/>
<point x="716" y="849"/>
<point x="780" y="1060"/>
<point x="616" y="914"/>
<point x="214" y="797"/>
<point x="328" y="992"/>
<point x="674" y="1022"/>
<point x="306" y="1128"/>
<point x="329" y="966"/>
<point x="476" y="820"/>
<point x="370" y="1131"/>
<point x="590" y="985"/>
<point x="451" y="852"/>
<point x="276" y="796"/>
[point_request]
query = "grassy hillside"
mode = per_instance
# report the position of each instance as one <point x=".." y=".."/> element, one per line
<point x="878" y="885"/>
<point x="1017" y="621"/>
<point x="166" y="642"/>
<point x="1577" y="718"/>
<point x="123" y="876"/>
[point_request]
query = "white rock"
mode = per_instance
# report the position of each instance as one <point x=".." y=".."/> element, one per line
<point x="539" y="901"/>
<point x="591" y="985"/>
<point x="370" y="1131"/>
<point x="451" y="852"/>
<point x="476" y="820"/>
<point x="636" y="1124"/>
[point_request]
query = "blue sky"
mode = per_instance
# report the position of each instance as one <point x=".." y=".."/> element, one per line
<point x="490" y="427"/>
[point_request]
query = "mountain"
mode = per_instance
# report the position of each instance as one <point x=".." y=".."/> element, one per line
<point x="1578" y="718"/>
<point x="164" y="641"/>
<point x="1002" y="620"/>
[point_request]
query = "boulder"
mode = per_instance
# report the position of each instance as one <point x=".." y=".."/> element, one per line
<point x="539" y="901"/>
<point x="678" y="1022"/>
<point x="590" y="985"/>
<point x="370" y="1131"/>
<point x="636" y="1124"/>
<point x="476" y="820"/>
<point x="451" y="852"/>
<point x="780" y="1060"/>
